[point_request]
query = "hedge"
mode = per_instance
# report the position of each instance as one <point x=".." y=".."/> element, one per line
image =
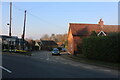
<point x="103" y="48"/>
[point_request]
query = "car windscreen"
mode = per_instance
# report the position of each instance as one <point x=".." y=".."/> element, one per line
<point x="55" y="50"/>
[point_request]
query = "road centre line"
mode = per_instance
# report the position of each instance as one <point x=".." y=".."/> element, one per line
<point x="6" y="69"/>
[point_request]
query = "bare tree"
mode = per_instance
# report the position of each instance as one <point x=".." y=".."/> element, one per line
<point x="45" y="37"/>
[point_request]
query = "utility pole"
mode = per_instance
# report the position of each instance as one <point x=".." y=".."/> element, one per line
<point x="9" y="45"/>
<point x="10" y="18"/>
<point x="24" y="26"/>
<point x="23" y="36"/>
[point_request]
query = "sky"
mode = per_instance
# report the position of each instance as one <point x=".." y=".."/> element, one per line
<point x="54" y="17"/>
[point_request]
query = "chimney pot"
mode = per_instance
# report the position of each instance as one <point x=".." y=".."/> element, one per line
<point x="101" y="22"/>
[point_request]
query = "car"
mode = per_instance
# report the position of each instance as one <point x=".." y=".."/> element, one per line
<point x="55" y="51"/>
<point x="63" y="50"/>
<point x="59" y="48"/>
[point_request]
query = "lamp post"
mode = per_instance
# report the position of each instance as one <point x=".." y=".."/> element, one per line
<point x="9" y="42"/>
<point x="8" y="27"/>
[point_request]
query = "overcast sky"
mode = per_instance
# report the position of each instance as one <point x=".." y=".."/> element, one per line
<point x="54" y="17"/>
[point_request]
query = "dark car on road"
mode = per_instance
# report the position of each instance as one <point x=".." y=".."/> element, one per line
<point x="55" y="51"/>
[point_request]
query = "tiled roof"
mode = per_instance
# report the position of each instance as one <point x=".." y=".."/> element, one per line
<point x="111" y="28"/>
<point x="86" y="29"/>
<point x="48" y="42"/>
<point x="5" y="36"/>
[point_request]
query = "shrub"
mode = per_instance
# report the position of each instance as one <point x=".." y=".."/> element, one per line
<point x="103" y="48"/>
<point x="93" y="33"/>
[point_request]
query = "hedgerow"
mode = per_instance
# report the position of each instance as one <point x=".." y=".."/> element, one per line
<point x="105" y="48"/>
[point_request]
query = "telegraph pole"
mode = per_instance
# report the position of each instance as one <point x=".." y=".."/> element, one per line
<point x="23" y="36"/>
<point x="10" y="18"/>
<point x="24" y="26"/>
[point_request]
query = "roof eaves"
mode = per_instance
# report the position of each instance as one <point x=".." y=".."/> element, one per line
<point x="79" y="34"/>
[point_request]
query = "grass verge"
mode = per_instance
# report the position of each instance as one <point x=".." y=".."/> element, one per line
<point x="80" y="58"/>
<point x="17" y="52"/>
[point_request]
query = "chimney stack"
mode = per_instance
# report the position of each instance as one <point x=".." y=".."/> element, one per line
<point x="101" y="23"/>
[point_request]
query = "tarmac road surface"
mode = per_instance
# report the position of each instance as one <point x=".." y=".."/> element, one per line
<point x="43" y="65"/>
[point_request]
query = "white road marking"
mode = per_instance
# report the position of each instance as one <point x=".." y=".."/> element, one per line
<point x="6" y="69"/>
<point x="47" y="59"/>
<point x="47" y="56"/>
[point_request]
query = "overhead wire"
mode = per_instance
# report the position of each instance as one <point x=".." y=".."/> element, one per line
<point x="37" y="17"/>
<point x="19" y="9"/>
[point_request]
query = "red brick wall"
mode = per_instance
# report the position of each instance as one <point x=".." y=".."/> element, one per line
<point x="73" y="43"/>
<point x="77" y="42"/>
<point x="70" y="42"/>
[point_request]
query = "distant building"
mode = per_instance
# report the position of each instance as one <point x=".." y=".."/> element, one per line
<point x="13" y="43"/>
<point x="48" y="44"/>
<point x="9" y="42"/>
<point x="77" y="31"/>
<point x="37" y="45"/>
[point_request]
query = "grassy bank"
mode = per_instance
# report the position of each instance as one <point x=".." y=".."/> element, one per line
<point x="80" y="58"/>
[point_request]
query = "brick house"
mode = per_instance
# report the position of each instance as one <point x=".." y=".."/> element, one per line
<point x="13" y="43"/>
<point x="48" y="44"/>
<point x="77" y="31"/>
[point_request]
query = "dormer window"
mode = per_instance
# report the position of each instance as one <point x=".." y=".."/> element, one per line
<point x="101" y="33"/>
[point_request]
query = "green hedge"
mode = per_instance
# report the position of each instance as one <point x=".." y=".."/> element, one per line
<point x="103" y="48"/>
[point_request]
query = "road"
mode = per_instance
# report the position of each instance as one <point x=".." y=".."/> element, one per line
<point x="43" y="65"/>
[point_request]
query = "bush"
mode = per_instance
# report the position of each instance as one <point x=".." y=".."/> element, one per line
<point x="93" y="33"/>
<point x="103" y="48"/>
